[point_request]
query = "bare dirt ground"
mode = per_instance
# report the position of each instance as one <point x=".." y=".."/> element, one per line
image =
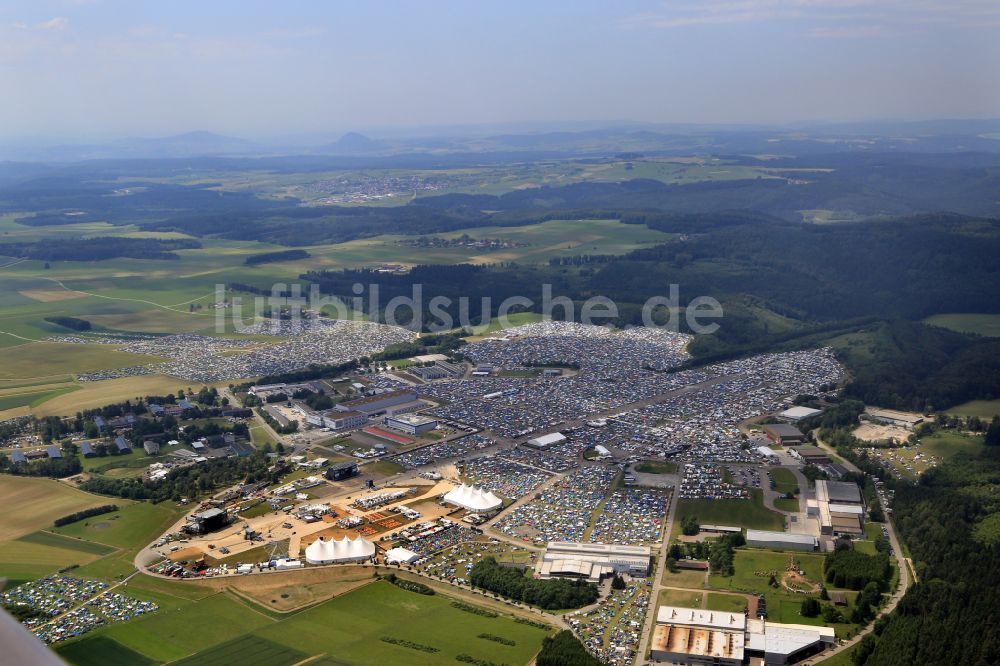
<point x="872" y="432"/>
<point x="292" y="590"/>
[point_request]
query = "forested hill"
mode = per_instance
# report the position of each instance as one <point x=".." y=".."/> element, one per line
<point x="951" y="524"/>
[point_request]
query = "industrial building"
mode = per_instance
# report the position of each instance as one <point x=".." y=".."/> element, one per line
<point x="796" y="414"/>
<point x="782" y="433"/>
<point x="892" y="417"/>
<point x="373" y="405"/>
<point x="592" y="561"/>
<point x="840" y="508"/>
<point x="810" y="455"/>
<point x="345" y="550"/>
<point x="411" y="424"/>
<point x="473" y="498"/>
<point x="545" y="441"/>
<point x="342" y="471"/>
<point x="694" y="636"/>
<point x="337" y="420"/>
<point x="781" y="540"/>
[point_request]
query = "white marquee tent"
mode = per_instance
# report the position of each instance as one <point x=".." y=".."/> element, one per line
<point x="473" y="498"/>
<point x="344" y="550"/>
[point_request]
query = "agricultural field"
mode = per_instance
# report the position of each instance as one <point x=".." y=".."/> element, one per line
<point x="984" y="409"/>
<point x="980" y="324"/>
<point x="739" y="513"/>
<point x="350" y="628"/>
<point x="33" y="503"/>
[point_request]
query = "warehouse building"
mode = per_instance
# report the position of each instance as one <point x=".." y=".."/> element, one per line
<point x="782" y="433"/>
<point x="781" y="540"/>
<point x="694" y="636"/>
<point x="810" y="455"/>
<point x="703" y="637"/>
<point x="592" y="561"/>
<point x="411" y="424"/>
<point x="796" y="414"/>
<point x="379" y="403"/>
<point x="892" y="417"/>
<point x="840" y="507"/>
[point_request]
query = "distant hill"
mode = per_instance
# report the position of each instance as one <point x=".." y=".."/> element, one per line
<point x="354" y="143"/>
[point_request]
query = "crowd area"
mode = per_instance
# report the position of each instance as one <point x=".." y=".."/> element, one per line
<point x="60" y="597"/>
<point x="207" y="359"/>
<point x="612" y="630"/>
<point x="504" y="477"/>
<point x="454" y="563"/>
<point x="631" y="516"/>
<point x="436" y="540"/>
<point x="564" y="510"/>
<point x="556" y="463"/>
<point x="618" y="368"/>
<point x="704" y="481"/>
<point x="436" y="452"/>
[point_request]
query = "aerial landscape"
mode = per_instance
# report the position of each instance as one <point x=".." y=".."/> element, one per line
<point x="608" y="334"/>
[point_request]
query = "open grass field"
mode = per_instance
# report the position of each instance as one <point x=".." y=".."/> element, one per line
<point x="130" y="526"/>
<point x="348" y="628"/>
<point x="984" y="409"/>
<point x="738" y="513"/>
<point x="245" y="650"/>
<point x="44" y="359"/>
<point x="681" y="598"/>
<point x="25" y="559"/>
<point x="980" y="324"/>
<point x="656" y="467"/>
<point x="784" y="480"/>
<point x="31" y="504"/>
<point x="749" y="562"/>
<point x="732" y="603"/>
<point x="101" y="650"/>
<point x="789" y="505"/>
<point x="97" y="394"/>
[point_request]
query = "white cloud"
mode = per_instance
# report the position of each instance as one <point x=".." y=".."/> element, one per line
<point x="856" y="18"/>
<point x="55" y="23"/>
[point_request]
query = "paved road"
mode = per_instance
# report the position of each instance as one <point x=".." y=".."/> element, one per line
<point x="654" y="594"/>
<point x="888" y="607"/>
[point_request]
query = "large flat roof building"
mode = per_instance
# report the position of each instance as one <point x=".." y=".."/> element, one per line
<point x="795" y="414"/>
<point x="592" y="561"/>
<point x="703" y="637"/>
<point x="378" y="403"/>
<point x="783" y="433"/>
<point x="840" y="507"/>
<point x="781" y="540"/>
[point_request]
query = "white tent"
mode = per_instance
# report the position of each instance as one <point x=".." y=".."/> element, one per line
<point x="344" y="550"/>
<point x="401" y="555"/>
<point x="473" y="498"/>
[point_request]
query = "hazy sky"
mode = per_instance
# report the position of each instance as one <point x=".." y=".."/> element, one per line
<point x="87" y="68"/>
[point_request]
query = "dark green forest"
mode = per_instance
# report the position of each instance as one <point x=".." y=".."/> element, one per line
<point x="950" y="615"/>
